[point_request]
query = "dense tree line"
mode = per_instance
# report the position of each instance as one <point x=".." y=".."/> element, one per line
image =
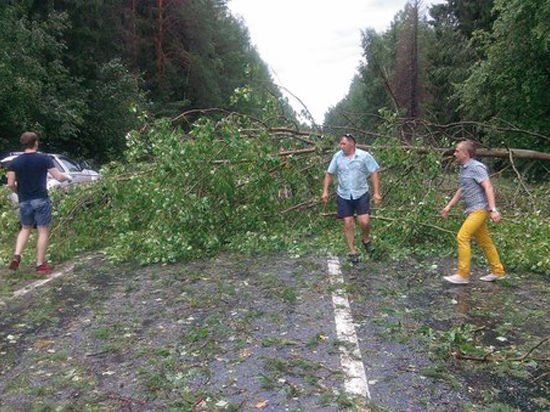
<point x="469" y="61"/>
<point x="82" y="72"/>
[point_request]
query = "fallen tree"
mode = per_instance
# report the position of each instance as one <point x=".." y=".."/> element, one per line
<point x="302" y="135"/>
<point x="227" y="181"/>
<point x="496" y="152"/>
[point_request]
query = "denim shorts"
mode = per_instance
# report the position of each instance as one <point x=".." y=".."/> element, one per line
<point x="347" y="207"/>
<point x="35" y="212"/>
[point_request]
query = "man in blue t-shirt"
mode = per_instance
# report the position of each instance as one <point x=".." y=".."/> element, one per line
<point x="353" y="166"/>
<point x="27" y="176"/>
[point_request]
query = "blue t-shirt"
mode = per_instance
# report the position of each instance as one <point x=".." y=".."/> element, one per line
<point x="352" y="173"/>
<point x="31" y="170"/>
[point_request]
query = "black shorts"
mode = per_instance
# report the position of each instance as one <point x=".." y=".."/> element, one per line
<point x="347" y="207"/>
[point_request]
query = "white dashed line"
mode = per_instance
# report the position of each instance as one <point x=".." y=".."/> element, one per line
<point x="350" y="355"/>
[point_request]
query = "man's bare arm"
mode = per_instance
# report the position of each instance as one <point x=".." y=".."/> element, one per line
<point x="375" y="178"/>
<point x="57" y="175"/>
<point x="326" y="185"/>
<point x="490" y="193"/>
<point x="11" y="182"/>
<point x="452" y="202"/>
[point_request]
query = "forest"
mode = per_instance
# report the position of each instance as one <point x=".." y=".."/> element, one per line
<point x="470" y="69"/>
<point x="83" y="73"/>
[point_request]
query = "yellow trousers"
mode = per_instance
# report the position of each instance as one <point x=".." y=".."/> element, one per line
<point x="476" y="225"/>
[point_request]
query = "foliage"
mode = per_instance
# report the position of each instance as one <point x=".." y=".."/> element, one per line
<point x="512" y="83"/>
<point x="223" y="186"/>
<point x="350" y="111"/>
<point x="115" y="102"/>
<point x="370" y="90"/>
<point x="478" y="62"/>
<point x="181" y="196"/>
<point x="80" y="72"/>
<point x="464" y="16"/>
<point x="388" y="78"/>
<point x="37" y="91"/>
<point x="449" y="64"/>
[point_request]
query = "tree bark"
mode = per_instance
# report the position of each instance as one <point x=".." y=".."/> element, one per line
<point x="517" y="153"/>
<point x="133" y="34"/>
<point x="496" y="152"/>
<point x="159" y="40"/>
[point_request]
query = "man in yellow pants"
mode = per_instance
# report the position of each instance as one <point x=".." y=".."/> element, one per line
<point x="476" y="192"/>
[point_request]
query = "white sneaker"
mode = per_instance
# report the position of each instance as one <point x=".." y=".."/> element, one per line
<point x="459" y="280"/>
<point x="492" y="277"/>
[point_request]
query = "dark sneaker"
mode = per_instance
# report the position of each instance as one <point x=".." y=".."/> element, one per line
<point x="44" y="268"/>
<point x="353" y="258"/>
<point x="15" y="260"/>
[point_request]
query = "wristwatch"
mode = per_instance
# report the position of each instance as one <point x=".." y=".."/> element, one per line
<point x="493" y="210"/>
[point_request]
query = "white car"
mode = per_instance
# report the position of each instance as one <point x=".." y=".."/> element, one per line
<point x="79" y="172"/>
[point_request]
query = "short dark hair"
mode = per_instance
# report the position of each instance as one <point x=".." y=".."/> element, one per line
<point x="28" y="140"/>
<point x="350" y="137"/>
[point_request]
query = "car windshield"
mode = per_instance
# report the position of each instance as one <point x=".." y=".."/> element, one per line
<point x="69" y="165"/>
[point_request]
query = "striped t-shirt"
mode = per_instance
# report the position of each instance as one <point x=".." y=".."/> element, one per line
<point x="472" y="173"/>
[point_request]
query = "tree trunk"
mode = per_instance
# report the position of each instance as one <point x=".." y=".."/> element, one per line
<point x="133" y="34"/>
<point x="413" y="99"/>
<point x="412" y="76"/>
<point x="159" y="40"/>
<point x="496" y="152"/>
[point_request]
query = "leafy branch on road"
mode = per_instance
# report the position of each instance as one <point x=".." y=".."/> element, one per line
<point x="234" y="182"/>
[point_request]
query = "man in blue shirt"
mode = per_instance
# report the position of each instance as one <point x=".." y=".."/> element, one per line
<point x="27" y="176"/>
<point x="353" y="166"/>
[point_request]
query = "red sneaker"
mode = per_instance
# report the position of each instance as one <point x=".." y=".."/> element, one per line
<point x="44" y="268"/>
<point x="15" y="260"/>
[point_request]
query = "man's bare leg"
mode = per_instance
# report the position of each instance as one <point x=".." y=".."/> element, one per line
<point x="22" y="238"/>
<point x="349" y="233"/>
<point x="365" y="226"/>
<point x="41" y="244"/>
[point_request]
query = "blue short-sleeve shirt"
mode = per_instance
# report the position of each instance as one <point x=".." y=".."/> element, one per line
<point x="352" y="173"/>
<point x="472" y="173"/>
<point x="31" y="170"/>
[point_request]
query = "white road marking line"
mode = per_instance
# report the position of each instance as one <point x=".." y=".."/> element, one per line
<point x="38" y="283"/>
<point x="350" y="355"/>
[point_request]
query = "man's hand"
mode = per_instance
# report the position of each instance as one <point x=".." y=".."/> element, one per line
<point x="496" y="217"/>
<point x="326" y="186"/>
<point x="57" y="175"/>
<point x="445" y="212"/>
<point x="377" y="198"/>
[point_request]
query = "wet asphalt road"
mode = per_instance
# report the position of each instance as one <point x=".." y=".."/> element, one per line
<point x="246" y="333"/>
